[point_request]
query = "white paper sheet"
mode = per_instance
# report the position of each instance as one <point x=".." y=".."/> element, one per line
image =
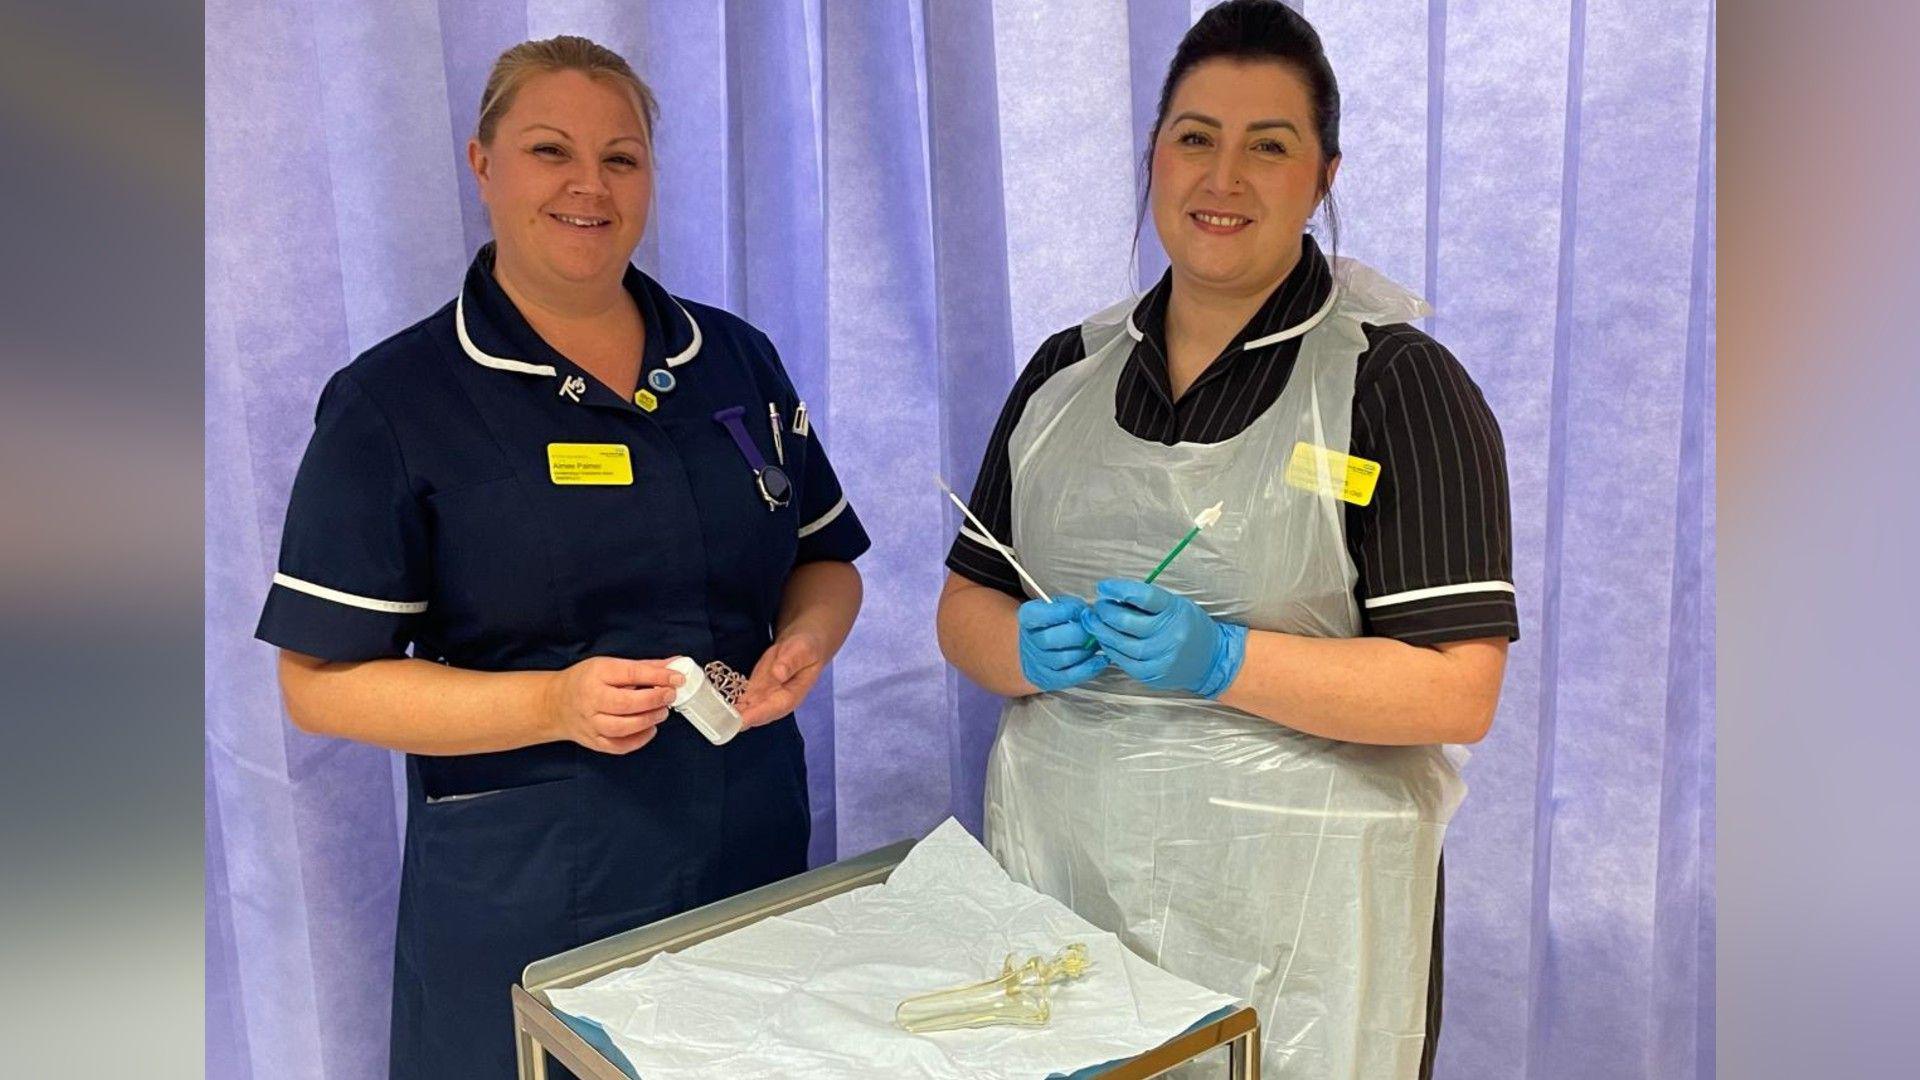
<point x="811" y="993"/>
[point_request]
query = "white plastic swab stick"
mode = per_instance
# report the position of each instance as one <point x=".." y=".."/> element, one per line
<point x="1005" y="551"/>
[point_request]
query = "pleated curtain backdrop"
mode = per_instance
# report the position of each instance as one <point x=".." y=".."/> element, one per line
<point x="907" y="197"/>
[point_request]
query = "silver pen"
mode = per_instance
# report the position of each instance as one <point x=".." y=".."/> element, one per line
<point x="773" y="418"/>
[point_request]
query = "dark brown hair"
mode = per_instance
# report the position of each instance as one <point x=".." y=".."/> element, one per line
<point x="1261" y="31"/>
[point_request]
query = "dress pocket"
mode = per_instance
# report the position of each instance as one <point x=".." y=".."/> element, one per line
<point x="499" y="862"/>
<point x="437" y="800"/>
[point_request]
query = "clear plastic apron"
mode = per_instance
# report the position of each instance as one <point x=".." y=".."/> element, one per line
<point x="1293" y="871"/>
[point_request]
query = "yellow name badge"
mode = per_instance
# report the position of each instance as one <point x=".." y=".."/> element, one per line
<point x="589" y="463"/>
<point x="1330" y="472"/>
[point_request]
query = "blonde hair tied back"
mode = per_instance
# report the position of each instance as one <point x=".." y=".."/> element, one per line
<point x="563" y="53"/>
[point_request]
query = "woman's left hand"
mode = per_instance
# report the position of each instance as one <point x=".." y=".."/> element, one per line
<point x="1164" y="640"/>
<point x="781" y="680"/>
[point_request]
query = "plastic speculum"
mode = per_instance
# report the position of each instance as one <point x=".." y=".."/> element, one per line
<point x="1021" y="995"/>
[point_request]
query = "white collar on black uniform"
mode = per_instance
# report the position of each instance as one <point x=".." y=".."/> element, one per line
<point x="1293" y="331"/>
<point x="502" y="363"/>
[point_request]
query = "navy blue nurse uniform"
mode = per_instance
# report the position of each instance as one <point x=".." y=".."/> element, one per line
<point x="424" y="519"/>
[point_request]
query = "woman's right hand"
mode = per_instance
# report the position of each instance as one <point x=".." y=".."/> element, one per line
<point x="1055" y="650"/>
<point x="610" y="705"/>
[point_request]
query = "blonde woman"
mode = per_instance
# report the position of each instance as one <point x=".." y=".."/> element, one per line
<point x="510" y="517"/>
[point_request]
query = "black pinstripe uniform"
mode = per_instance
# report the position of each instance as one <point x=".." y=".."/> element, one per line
<point x="1433" y="548"/>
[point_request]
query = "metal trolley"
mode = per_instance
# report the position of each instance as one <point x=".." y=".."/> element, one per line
<point x="539" y="1030"/>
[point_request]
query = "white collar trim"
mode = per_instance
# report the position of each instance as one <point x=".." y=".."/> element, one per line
<point x="1297" y="329"/>
<point x="1293" y="331"/>
<point x="693" y="347"/>
<point x="485" y="359"/>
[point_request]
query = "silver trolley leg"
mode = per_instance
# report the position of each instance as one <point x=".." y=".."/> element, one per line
<point x="532" y="1059"/>
<point x="1243" y="1056"/>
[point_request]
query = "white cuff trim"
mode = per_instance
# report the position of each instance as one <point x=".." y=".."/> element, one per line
<point x="823" y="520"/>
<point x="390" y="607"/>
<point x="1439" y="590"/>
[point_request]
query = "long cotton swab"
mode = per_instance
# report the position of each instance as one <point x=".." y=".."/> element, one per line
<point x="1200" y="521"/>
<point x="1005" y="551"/>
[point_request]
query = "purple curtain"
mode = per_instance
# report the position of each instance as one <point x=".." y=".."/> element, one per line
<point x="907" y="197"/>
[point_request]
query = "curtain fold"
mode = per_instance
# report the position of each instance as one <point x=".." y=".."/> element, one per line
<point x="892" y="771"/>
<point x="974" y="319"/>
<point x="908" y="197"/>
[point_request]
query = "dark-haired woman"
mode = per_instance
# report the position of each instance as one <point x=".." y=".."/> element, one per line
<point x="1239" y="767"/>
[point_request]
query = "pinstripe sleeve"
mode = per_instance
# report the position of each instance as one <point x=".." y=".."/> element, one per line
<point x="1434" y="548"/>
<point x="992" y="499"/>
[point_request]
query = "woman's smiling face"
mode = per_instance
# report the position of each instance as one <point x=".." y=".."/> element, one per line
<point x="567" y="179"/>
<point x="1237" y="171"/>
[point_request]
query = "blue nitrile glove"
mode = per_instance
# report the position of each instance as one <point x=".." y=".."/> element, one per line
<point x="1164" y="640"/>
<point x="1054" y="650"/>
